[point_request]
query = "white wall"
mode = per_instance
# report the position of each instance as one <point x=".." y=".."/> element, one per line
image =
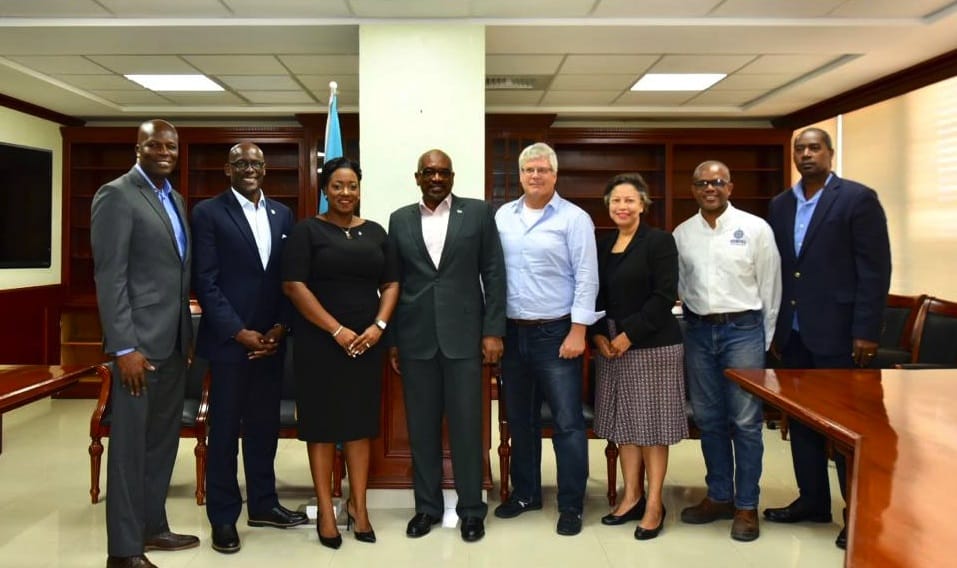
<point x="421" y="87"/>
<point x="25" y="130"/>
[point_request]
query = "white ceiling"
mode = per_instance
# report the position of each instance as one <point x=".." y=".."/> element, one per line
<point x="276" y="58"/>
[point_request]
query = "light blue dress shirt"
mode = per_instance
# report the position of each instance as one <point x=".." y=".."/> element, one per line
<point x="167" y="200"/>
<point x="165" y="197"/>
<point x="551" y="266"/>
<point x="803" y="213"/>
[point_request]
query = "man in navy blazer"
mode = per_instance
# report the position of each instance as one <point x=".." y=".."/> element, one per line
<point x="238" y="237"/>
<point x="836" y="268"/>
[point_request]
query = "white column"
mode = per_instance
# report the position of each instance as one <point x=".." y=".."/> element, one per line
<point x="421" y="86"/>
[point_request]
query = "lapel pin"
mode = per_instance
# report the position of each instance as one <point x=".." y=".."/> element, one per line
<point x="459" y="211"/>
<point x="273" y="211"/>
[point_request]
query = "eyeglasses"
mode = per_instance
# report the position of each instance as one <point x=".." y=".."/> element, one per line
<point x="715" y="183"/>
<point x="243" y="164"/>
<point x="432" y="172"/>
<point x="539" y="171"/>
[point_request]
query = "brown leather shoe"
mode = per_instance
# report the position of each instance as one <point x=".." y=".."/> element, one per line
<point x="745" y="526"/>
<point x="707" y="511"/>
<point x="170" y="541"/>
<point x="129" y="562"/>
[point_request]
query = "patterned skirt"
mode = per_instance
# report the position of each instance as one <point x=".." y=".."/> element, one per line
<point x="640" y="396"/>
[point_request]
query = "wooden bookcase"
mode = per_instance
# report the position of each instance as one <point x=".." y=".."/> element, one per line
<point x="94" y="156"/>
<point x="759" y="160"/>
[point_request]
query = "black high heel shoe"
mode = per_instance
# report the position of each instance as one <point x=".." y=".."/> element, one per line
<point x="367" y="536"/>
<point x="333" y="542"/>
<point x="633" y="514"/>
<point x="648" y="534"/>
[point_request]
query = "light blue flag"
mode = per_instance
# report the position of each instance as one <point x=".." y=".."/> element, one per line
<point x="333" y="146"/>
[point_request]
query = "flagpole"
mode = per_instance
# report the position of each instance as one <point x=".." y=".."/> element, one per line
<point x="332" y="146"/>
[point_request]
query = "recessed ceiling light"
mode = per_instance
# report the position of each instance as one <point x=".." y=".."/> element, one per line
<point x="175" y="82"/>
<point x="677" y="81"/>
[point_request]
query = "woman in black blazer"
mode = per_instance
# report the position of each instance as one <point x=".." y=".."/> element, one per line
<point x="640" y="398"/>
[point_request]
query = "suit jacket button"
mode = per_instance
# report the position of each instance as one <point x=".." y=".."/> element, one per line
<point x="797" y="274"/>
<point x="794" y="302"/>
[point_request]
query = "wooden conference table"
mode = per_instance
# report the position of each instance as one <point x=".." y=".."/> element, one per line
<point x="23" y="384"/>
<point x="900" y="429"/>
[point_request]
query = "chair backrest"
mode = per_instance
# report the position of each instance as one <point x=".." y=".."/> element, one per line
<point x="197" y="370"/>
<point x="288" y="371"/>
<point x="900" y="318"/>
<point x="936" y="340"/>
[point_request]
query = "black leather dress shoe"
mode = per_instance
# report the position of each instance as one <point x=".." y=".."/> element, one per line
<point x="633" y="514"/>
<point x="473" y="529"/>
<point x="796" y="512"/>
<point x="279" y="517"/>
<point x="225" y="539"/>
<point x="129" y="562"/>
<point x="170" y="541"/>
<point x="421" y="524"/>
<point x="841" y="541"/>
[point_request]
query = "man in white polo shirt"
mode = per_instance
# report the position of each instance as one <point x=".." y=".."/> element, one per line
<point x="729" y="281"/>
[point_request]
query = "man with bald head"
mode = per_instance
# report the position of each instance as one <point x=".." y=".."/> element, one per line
<point x="450" y="318"/>
<point x="238" y="237"/>
<point x="141" y="257"/>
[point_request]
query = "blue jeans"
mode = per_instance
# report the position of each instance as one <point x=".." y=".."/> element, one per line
<point x="533" y="372"/>
<point x="727" y="415"/>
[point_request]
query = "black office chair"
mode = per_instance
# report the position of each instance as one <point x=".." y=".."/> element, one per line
<point x="935" y="345"/>
<point x="896" y="342"/>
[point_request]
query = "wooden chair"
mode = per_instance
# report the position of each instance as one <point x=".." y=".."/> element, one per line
<point x="193" y="425"/>
<point x="935" y="336"/>
<point x="588" y="405"/>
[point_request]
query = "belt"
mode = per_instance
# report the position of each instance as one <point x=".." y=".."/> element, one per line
<point x="528" y="323"/>
<point x="719" y="319"/>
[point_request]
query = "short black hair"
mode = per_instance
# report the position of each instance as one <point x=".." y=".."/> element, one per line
<point x="328" y="168"/>
<point x="823" y="133"/>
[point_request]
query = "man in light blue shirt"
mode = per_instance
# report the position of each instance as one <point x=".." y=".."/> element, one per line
<point x="552" y="273"/>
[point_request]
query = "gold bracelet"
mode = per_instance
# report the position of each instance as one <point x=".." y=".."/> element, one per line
<point x="337" y="332"/>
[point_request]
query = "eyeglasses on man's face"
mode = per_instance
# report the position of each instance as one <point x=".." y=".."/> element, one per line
<point x="243" y="164"/>
<point x="540" y="171"/>
<point x="715" y="183"/>
<point x="432" y="172"/>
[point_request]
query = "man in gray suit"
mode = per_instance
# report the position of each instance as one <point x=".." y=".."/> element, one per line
<point x="449" y="319"/>
<point x="141" y="262"/>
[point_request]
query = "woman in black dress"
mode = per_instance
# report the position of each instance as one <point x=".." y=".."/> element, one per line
<point x="341" y="281"/>
<point x="639" y="403"/>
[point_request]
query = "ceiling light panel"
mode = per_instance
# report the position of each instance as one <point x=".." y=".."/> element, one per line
<point x="176" y="83"/>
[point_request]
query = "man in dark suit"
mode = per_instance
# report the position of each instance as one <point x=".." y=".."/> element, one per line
<point x="836" y="267"/>
<point x="141" y="258"/>
<point x="449" y="320"/>
<point x="238" y="238"/>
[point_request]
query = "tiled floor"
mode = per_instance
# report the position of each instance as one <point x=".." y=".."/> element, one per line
<point x="46" y="519"/>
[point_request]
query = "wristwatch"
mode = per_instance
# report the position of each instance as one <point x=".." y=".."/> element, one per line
<point x="381" y="324"/>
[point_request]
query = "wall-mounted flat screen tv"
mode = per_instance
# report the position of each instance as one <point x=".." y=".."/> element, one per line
<point x="26" y="206"/>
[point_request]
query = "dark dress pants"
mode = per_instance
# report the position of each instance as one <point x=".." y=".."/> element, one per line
<point x="243" y="400"/>
<point x="144" y="437"/>
<point x="453" y="388"/>
<point x="809" y="447"/>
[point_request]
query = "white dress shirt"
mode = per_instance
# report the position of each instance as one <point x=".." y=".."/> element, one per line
<point x="733" y="267"/>
<point x="435" y="226"/>
<point x="258" y="219"/>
